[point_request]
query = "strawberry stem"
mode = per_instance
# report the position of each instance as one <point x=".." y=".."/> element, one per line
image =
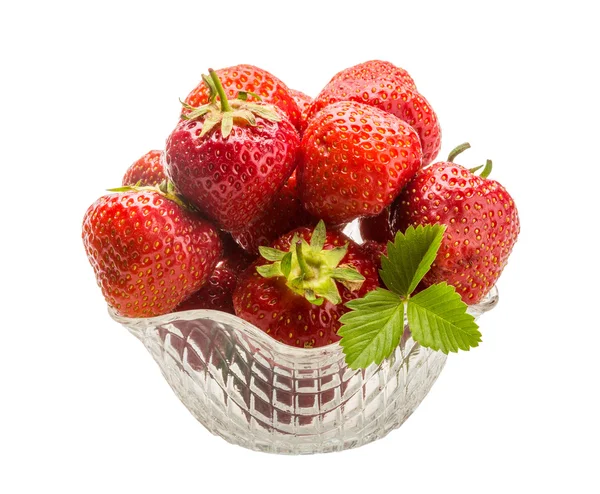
<point x="220" y="91"/>
<point x="457" y="150"/>
<point x="487" y="169"/>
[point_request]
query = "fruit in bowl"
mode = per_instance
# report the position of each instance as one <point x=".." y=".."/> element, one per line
<point x="301" y="273"/>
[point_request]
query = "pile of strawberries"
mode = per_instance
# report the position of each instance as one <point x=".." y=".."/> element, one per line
<point x="244" y="209"/>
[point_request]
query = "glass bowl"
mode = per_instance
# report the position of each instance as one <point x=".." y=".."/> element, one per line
<point x="263" y="395"/>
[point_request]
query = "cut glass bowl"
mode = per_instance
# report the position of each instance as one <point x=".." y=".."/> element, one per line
<point x="253" y="391"/>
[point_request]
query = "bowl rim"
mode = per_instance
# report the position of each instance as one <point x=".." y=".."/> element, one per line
<point x="488" y="302"/>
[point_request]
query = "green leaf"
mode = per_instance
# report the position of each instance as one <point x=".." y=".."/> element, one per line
<point x="318" y="237"/>
<point x="197" y="112"/>
<point x="286" y="264"/>
<point x="209" y="124"/>
<point x="267" y="112"/>
<point x="312" y="298"/>
<point x="270" y="270"/>
<point x="245" y="115"/>
<point x="410" y="256"/>
<point x="438" y="319"/>
<point x="271" y="254"/>
<point x="372" y="330"/>
<point x="226" y="124"/>
<point x="333" y="257"/>
<point x="329" y="291"/>
<point x="347" y="274"/>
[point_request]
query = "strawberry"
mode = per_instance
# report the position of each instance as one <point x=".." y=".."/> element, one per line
<point x="237" y="258"/>
<point x="148" y="170"/>
<point x="355" y="160"/>
<point x="299" y="297"/>
<point x="254" y="82"/>
<point x="148" y="251"/>
<point x="215" y="294"/>
<point x="375" y="250"/>
<point x="376" y="228"/>
<point x="232" y="171"/>
<point x="374" y="70"/>
<point x="303" y="102"/>
<point x="285" y="214"/>
<point x="481" y="218"/>
<point x="389" y="91"/>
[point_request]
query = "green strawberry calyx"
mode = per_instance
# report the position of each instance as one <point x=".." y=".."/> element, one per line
<point x="227" y="112"/>
<point x="166" y="189"/>
<point x="310" y="270"/>
<point x="487" y="168"/>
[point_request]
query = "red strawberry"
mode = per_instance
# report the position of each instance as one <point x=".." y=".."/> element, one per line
<point x="482" y="224"/>
<point x="232" y="171"/>
<point x="250" y="79"/>
<point x="373" y="70"/>
<point x="299" y="298"/>
<point x="389" y="92"/>
<point x="237" y="258"/>
<point x="148" y="252"/>
<point x="375" y="250"/>
<point x="376" y="228"/>
<point x="148" y="170"/>
<point x="215" y="294"/>
<point x="303" y="102"/>
<point x="285" y="214"/>
<point x="356" y="159"/>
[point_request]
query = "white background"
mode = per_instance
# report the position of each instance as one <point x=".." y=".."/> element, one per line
<point x="87" y="88"/>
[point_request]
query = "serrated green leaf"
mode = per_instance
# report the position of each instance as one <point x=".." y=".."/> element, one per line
<point x="271" y="254"/>
<point x="372" y="329"/>
<point x="409" y="257"/>
<point x="438" y="319"/>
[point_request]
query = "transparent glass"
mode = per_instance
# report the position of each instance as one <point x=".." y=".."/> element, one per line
<point x="263" y="395"/>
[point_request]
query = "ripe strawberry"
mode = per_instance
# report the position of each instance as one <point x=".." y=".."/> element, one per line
<point x="232" y="171"/>
<point x="250" y="79"/>
<point x="299" y="298"/>
<point x="217" y="293"/>
<point x="481" y="218"/>
<point x="376" y="228"/>
<point x="374" y="70"/>
<point x="285" y="214"/>
<point x="146" y="171"/>
<point x="388" y="91"/>
<point x="149" y="253"/>
<point x="375" y="250"/>
<point x="303" y="102"/>
<point x="237" y="258"/>
<point x="356" y="159"/>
